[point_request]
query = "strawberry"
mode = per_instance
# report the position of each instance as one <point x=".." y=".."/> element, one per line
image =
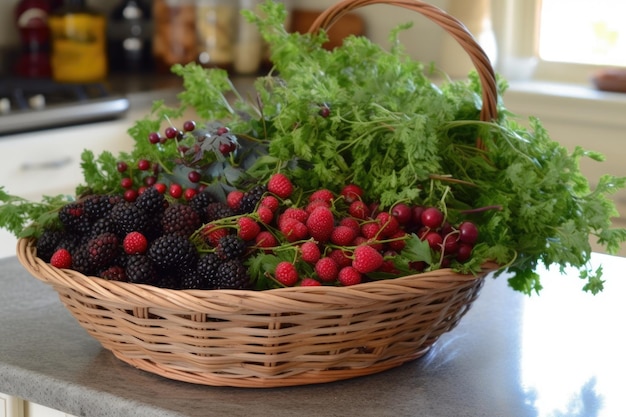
<point x="349" y="276"/>
<point x="233" y="199"/>
<point x="326" y="269"/>
<point x="286" y="273"/>
<point x="310" y="282"/>
<point x="367" y="259"/>
<point x="342" y="235"/>
<point x="61" y="259"/>
<point x="135" y="243"/>
<point x="351" y="193"/>
<point x="320" y="223"/>
<point x="280" y="185"/>
<point x="310" y="252"/>
<point x="248" y="228"/>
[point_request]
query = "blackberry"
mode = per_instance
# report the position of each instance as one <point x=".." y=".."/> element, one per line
<point x="251" y="198"/>
<point x="47" y="243"/>
<point x="151" y="201"/>
<point x="98" y="205"/>
<point x="200" y="202"/>
<point x="218" y="210"/>
<point x="81" y="261"/>
<point x="172" y="253"/>
<point x="103" y="249"/>
<point x="104" y="224"/>
<point x="129" y="218"/>
<point x="114" y="273"/>
<point x="180" y="219"/>
<point x="204" y="277"/>
<point x="171" y="281"/>
<point x="73" y="217"/>
<point x="231" y="247"/>
<point x="141" y="270"/>
<point x="233" y="274"/>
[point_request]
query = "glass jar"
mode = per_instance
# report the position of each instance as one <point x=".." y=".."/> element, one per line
<point x="216" y="29"/>
<point x="248" y="48"/>
<point x="174" y="40"/>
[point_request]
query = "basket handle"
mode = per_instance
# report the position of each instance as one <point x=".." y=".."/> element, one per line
<point x="450" y="24"/>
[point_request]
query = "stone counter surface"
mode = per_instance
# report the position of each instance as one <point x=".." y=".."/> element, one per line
<point x="511" y="356"/>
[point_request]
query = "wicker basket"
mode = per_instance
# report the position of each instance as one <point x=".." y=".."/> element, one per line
<point x="280" y="337"/>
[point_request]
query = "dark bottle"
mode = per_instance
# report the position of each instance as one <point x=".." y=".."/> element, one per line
<point x="129" y="37"/>
<point x="31" y="17"/>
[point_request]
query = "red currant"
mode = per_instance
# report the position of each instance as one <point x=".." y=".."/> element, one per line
<point x="189" y="193"/>
<point x="126" y="182"/>
<point x="143" y="164"/>
<point x="194" y="176"/>
<point x="189" y="126"/>
<point x="154" y="138"/>
<point x="176" y="190"/>
<point x="171" y="132"/>
<point x="130" y="195"/>
<point x="432" y="217"/>
<point x="122" y="166"/>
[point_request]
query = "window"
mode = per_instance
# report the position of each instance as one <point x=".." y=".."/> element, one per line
<point x="559" y="40"/>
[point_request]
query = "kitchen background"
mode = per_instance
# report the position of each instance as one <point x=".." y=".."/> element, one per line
<point x="573" y="114"/>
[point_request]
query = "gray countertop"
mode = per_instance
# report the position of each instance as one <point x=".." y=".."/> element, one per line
<point x="558" y="354"/>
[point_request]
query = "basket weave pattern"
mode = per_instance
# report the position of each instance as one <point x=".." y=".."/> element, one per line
<point x="280" y="337"/>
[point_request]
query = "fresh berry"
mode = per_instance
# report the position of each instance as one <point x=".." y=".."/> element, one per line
<point x="389" y="224"/>
<point x="359" y="210"/>
<point x="280" y="185"/>
<point x="151" y="201"/>
<point x="402" y="213"/>
<point x="251" y="198"/>
<point x="231" y="247"/>
<point x="102" y="249"/>
<point x="293" y="229"/>
<point x="326" y="269"/>
<point x="342" y="235"/>
<point x="432" y="217"/>
<point x="265" y="240"/>
<point x="181" y="219"/>
<point x="349" y="276"/>
<point x="233" y="199"/>
<point x="310" y="282"/>
<point x="352" y="192"/>
<point x="204" y="276"/>
<point x="218" y="210"/>
<point x="212" y="233"/>
<point x="248" y="229"/>
<point x="114" y="273"/>
<point x="370" y="230"/>
<point x="135" y="243"/>
<point x="366" y="259"/>
<point x="141" y="270"/>
<point x="323" y="194"/>
<point x="310" y="252"/>
<point x="232" y="274"/>
<point x="176" y="190"/>
<point x="265" y="214"/>
<point x="341" y="257"/>
<point x="320" y="224"/>
<point x="172" y="253"/>
<point x="270" y="202"/>
<point x="61" y="259"/>
<point x="468" y="232"/>
<point x="286" y="273"/>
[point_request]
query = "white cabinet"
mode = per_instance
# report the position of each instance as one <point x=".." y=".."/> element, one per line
<point x="11" y="406"/>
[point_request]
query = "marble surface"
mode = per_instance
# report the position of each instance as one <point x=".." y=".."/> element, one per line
<point x="559" y="354"/>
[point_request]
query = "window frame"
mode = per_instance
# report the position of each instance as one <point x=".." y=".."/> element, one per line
<point x="516" y="24"/>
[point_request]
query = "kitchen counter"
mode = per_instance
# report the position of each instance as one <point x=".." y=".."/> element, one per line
<point x="560" y="353"/>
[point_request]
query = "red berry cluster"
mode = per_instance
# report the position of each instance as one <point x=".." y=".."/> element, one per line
<point x="336" y="239"/>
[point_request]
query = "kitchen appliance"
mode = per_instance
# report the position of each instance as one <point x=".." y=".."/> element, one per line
<point x="35" y="104"/>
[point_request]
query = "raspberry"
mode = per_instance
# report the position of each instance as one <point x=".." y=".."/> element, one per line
<point x="293" y="229"/>
<point x="61" y="259"/>
<point x="315" y="204"/>
<point x="286" y="273"/>
<point x="320" y="224"/>
<point x="265" y="240"/>
<point x="389" y="224"/>
<point x="180" y="219"/>
<point x="349" y="276"/>
<point x="270" y="202"/>
<point x="341" y="257"/>
<point x="323" y="194"/>
<point x="135" y="243"/>
<point x="370" y="230"/>
<point x="342" y="235"/>
<point x="294" y="213"/>
<point x="233" y="199"/>
<point x="351" y="193"/>
<point x="359" y="209"/>
<point x="367" y="259"/>
<point x="212" y="233"/>
<point x="398" y="241"/>
<point x="103" y="249"/>
<point x="265" y="214"/>
<point x="310" y="252"/>
<point x="326" y="269"/>
<point x="248" y="228"/>
<point x="352" y="223"/>
<point x="233" y="274"/>
<point x="280" y="185"/>
<point x="310" y="282"/>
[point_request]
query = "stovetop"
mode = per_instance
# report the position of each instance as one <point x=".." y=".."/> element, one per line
<point x="36" y="104"/>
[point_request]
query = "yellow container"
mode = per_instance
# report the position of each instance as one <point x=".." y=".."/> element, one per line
<point x="78" y="46"/>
